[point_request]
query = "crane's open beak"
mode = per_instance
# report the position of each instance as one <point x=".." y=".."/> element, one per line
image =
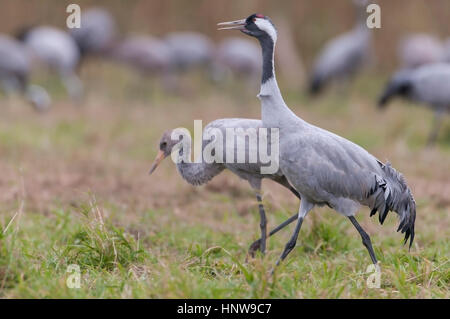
<point x="232" y="25"/>
<point x="157" y="160"/>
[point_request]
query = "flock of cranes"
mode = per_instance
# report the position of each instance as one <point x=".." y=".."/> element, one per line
<point x="317" y="166"/>
<point x="63" y="51"/>
<point x="339" y="61"/>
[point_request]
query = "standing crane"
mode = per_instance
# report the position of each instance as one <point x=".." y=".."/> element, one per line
<point x="15" y="69"/>
<point x="57" y="50"/>
<point x="428" y="84"/>
<point x="201" y="173"/>
<point x="419" y="49"/>
<point x="323" y="167"/>
<point x="97" y="33"/>
<point x="344" y="55"/>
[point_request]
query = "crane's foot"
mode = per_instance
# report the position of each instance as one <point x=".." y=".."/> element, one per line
<point x="254" y="247"/>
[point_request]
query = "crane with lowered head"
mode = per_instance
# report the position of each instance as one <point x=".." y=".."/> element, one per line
<point x="199" y="173"/>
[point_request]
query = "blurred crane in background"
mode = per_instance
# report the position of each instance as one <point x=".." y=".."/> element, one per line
<point x="98" y="32"/>
<point x="190" y="50"/>
<point x="58" y="51"/>
<point x="201" y="173"/>
<point x="15" y="71"/>
<point x="237" y="57"/>
<point x="428" y="84"/>
<point x="419" y="49"/>
<point x="147" y="55"/>
<point x="344" y="55"/>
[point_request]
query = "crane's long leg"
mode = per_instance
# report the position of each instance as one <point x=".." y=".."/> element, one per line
<point x="257" y="243"/>
<point x="305" y="207"/>
<point x="365" y="238"/>
<point x="262" y="224"/>
<point x="73" y="85"/>
<point x="437" y="122"/>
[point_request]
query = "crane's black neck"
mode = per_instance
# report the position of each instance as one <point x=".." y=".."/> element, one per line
<point x="267" y="46"/>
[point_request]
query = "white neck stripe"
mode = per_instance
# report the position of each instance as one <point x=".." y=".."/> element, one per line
<point x="266" y="26"/>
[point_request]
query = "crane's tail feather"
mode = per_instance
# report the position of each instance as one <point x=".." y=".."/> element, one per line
<point x="391" y="193"/>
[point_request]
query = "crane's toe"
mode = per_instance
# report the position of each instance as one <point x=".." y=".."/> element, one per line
<point x="254" y="247"/>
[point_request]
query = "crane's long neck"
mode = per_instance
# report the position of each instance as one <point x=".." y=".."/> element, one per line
<point x="361" y="18"/>
<point x="269" y="85"/>
<point x="273" y="108"/>
<point x="195" y="173"/>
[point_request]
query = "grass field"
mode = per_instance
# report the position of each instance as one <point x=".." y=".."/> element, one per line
<point x="74" y="189"/>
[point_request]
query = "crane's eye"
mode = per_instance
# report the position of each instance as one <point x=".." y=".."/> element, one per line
<point x="162" y="145"/>
<point x="254" y="19"/>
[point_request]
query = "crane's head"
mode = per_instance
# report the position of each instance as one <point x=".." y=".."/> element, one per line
<point x="399" y="85"/>
<point x="166" y="144"/>
<point x="256" y="25"/>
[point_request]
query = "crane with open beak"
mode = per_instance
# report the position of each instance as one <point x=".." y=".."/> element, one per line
<point x="232" y="25"/>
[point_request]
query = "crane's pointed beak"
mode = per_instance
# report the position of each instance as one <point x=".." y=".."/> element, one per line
<point x="232" y="25"/>
<point x="156" y="162"/>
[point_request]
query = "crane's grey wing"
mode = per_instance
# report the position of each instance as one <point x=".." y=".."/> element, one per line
<point x="335" y="171"/>
<point x="244" y="154"/>
<point x="331" y="167"/>
<point x="230" y="145"/>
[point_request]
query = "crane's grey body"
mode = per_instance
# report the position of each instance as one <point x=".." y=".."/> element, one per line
<point x="329" y="169"/>
<point x="428" y="84"/>
<point x="419" y="49"/>
<point x="57" y="50"/>
<point x="201" y="173"/>
<point x="251" y="172"/>
<point x="324" y="167"/>
<point x="344" y="55"/>
<point x="97" y="33"/>
<point x="15" y="70"/>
